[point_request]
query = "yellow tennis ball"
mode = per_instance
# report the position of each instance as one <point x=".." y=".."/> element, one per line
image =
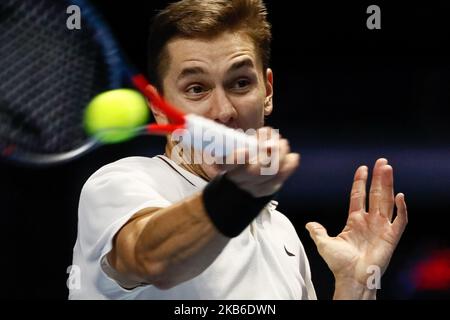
<point x="111" y="116"/>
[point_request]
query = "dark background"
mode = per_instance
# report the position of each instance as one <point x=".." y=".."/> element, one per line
<point x="344" y="96"/>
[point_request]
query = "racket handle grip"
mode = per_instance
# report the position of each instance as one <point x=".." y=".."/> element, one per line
<point x="204" y="133"/>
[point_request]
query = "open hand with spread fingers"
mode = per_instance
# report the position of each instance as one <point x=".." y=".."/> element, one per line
<point x="369" y="237"/>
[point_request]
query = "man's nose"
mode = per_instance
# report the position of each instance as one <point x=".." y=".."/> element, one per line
<point x="222" y="109"/>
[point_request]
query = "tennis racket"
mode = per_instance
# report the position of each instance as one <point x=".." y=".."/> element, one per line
<point x="49" y="74"/>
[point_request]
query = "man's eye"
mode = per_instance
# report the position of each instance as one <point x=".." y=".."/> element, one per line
<point x="241" y="84"/>
<point x="195" y="89"/>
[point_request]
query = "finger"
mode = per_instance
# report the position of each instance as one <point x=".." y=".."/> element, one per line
<point x="272" y="155"/>
<point x="267" y="133"/>
<point x="375" y="186"/>
<point x="387" y="192"/>
<point x="235" y="160"/>
<point x="358" y="193"/>
<point x="401" y="220"/>
<point x="268" y="140"/>
<point x="317" y="232"/>
<point x="251" y="174"/>
<point x="281" y="148"/>
<point x="275" y="182"/>
<point x="290" y="163"/>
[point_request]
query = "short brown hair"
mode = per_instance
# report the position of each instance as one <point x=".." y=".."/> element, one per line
<point x="206" y="19"/>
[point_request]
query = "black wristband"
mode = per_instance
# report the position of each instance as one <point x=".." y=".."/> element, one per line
<point x="230" y="208"/>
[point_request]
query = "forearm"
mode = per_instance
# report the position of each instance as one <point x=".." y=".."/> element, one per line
<point x="180" y="240"/>
<point x="349" y="289"/>
<point x="167" y="246"/>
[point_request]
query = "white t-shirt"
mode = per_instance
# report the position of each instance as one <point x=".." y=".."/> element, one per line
<point x="266" y="261"/>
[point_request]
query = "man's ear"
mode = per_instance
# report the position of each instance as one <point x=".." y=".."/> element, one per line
<point x="159" y="116"/>
<point x="268" y="103"/>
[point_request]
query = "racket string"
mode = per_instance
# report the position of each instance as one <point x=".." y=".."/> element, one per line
<point x="49" y="74"/>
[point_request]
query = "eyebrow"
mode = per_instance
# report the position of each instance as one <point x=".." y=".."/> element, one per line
<point x="241" y="64"/>
<point x="192" y="71"/>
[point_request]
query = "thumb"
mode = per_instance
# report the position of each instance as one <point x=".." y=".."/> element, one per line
<point x="316" y="231"/>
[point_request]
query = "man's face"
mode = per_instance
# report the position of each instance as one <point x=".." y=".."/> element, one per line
<point x="219" y="78"/>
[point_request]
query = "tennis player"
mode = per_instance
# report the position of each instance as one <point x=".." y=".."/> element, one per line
<point x="166" y="228"/>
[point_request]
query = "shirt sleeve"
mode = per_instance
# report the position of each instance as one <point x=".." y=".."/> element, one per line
<point x="108" y="200"/>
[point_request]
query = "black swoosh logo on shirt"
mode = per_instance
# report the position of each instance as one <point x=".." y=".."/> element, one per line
<point x="288" y="253"/>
